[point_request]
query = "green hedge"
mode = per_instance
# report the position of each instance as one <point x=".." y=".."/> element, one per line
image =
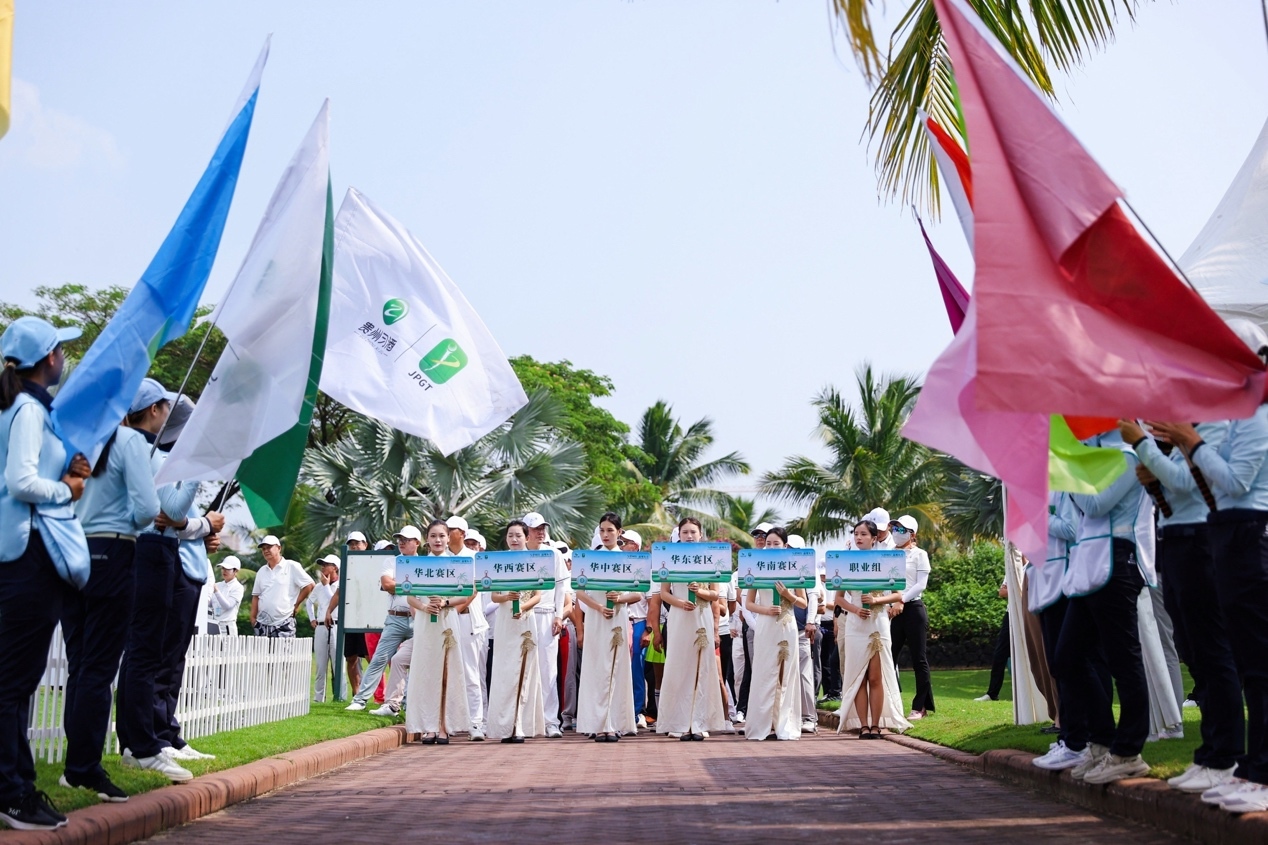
<point x="963" y="595"/>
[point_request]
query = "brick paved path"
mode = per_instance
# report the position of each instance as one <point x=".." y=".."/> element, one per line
<point x="821" y="789"/>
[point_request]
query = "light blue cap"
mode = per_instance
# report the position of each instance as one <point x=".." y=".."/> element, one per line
<point x="149" y="393"/>
<point x="29" y="340"/>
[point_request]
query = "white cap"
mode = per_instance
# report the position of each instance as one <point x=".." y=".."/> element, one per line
<point x="381" y="545"/>
<point x="796" y="541"/>
<point x="1249" y="333"/>
<point x="878" y="517"/>
<point x="230" y="562"/>
<point x="821" y="569"/>
<point x="908" y="522"/>
<point x="410" y="532"/>
<point x="356" y="535"/>
<point x="332" y="560"/>
<point x="269" y="540"/>
<point x="630" y="534"/>
<point x="535" y="520"/>
<point x="457" y="522"/>
<point x="763" y="527"/>
<point x="472" y="534"/>
<point x="562" y="547"/>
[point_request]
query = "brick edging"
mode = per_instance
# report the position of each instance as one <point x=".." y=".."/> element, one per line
<point x="1146" y="801"/>
<point x="144" y="815"/>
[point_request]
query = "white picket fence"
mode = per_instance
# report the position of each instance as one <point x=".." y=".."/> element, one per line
<point x="230" y="683"/>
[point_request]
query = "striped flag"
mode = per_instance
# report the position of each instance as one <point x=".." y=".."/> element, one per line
<point x="162" y="304"/>
<point x="6" y="62"/>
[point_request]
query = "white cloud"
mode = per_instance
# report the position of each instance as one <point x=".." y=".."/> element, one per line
<point x="45" y="138"/>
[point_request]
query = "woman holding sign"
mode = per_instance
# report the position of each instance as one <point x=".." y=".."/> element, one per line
<point x="868" y="677"/>
<point x="774" y="698"/>
<point x="437" y="691"/>
<point x="515" y="687"/>
<point x="603" y="707"/>
<point x="690" y="695"/>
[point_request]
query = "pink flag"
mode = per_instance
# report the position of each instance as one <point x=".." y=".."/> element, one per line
<point x="954" y="296"/>
<point x="1076" y="312"/>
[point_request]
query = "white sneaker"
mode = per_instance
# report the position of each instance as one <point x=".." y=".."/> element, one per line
<point x="1252" y="798"/>
<point x="704" y="734"/>
<point x="728" y="727"/>
<point x="188" y="753"/>
<point x="675" y="735"/>
<point x="1201" y="778"/>
<point x="808" y="727"/>
<point x="166" y="766"/>
<point x="739" y="717"/>
<point x="642" y="722"/>
<point x="1060" y="758"/>
<point x="1189" y="772"/>
<point x="1095" y="753"/>
<point x="914" y="716"/>
<point x="983" y="698"/>
<point x="1112" y="768"/>
<point x="553" y="732"/>
<point x="356" y="705"/>
<point x="1188" y="702"/>
<point x="1217" y="794"/>
<point x="476" y="735"/>
<point x="1176" y="732"/>
<point x="128" y="760"/>
<point x="385" y="710"/>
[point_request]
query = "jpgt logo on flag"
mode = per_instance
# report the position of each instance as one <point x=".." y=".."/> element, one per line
<point x="443" y="362"/>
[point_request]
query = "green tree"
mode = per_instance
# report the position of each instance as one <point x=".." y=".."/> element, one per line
<point x="972" y="504"/>
<point x="376" y="479"/>
<point x="740" y="515"/>
<point x="914" y="71"/>
<point x="870" y="464"/>
<point x="671" y="459"/>
<point x="609" y="454"/>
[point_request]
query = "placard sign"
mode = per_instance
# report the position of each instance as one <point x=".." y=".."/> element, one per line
<point x="515" y="571"/>
<point x="604" y="570"/>
<point x="866" y="571"/>
<point x="761" y="568"/>
<point x="432" y="575"/>
<point x="682" y="563"/>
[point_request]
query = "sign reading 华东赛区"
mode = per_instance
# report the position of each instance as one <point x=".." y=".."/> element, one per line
<point x="682" y="563"/>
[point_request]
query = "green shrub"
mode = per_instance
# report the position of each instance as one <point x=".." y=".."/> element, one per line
<point x="963" y="594"/>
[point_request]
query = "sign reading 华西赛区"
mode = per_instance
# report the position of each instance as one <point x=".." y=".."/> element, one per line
<point x="515" y="571"/>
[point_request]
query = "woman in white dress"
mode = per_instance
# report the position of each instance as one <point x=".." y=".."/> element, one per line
<point x="603" y="707"/>
<point x="774" y="699"/>
<point x="515" y="687"/>
<point x="690" y="702"/>
<point x="436" y="692"/>
<point x="868" y="677"/>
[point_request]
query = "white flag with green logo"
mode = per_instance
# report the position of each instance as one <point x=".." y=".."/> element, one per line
<point x="405" y="347"/>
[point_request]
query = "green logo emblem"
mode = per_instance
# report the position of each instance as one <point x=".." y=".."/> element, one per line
<point x="444" y="362"/>
<point x="394" y="310"/>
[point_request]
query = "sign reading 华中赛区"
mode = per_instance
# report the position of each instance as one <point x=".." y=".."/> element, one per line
<point x="604" y="570"/>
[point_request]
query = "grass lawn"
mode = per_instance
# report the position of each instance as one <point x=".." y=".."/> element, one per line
<point x="977" y="726"/>
<point x="232" y="748"/>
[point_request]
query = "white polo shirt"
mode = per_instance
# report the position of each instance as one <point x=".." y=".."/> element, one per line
<point x="226" y="597"/>
<point x="277" y="588"/>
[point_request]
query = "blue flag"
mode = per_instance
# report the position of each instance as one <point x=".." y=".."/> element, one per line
<point x="161" y="307"/>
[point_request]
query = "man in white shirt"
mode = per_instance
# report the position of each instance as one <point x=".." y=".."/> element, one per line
<point x="226" y="598"/>
<point x="548" y="621"/>
<point x="747" y="626"/>
<point x="808" y="629"/>
<point x="280" y="588"/>
<point x="398" y="626"/>
<point x="473" y="631"/>
<point x="726" y="608"/>
<point x="632" y="541"/>
<point x="574" y="632"/>
<point x="323" y="614"/>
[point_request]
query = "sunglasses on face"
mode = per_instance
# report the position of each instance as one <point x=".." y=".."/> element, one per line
<point x="898" y="529"/>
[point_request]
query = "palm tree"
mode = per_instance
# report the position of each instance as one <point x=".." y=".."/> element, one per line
<point x="737" y="516"/>
<point x="376" y="479"/>
<point x="972" y="504"/>
<point x="870" y="465"/>
<point x="670" y="459"/>
<point x="914" y="71"/>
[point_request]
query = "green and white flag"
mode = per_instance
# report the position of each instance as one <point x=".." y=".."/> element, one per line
<point x="274" y="317"/>
<point x="405" y="346"/>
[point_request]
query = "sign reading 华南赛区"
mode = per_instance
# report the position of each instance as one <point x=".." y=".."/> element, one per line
<point x="762" y="568"/>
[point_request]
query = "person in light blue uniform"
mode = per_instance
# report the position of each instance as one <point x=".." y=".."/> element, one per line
<point x="119" y="500"/>
<point x="1188" y="576"/>
<point x="32" y="590"/>
<point x="1236" y="472"/>
<point x="1103" y="582"/>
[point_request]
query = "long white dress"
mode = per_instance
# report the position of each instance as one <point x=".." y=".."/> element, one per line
<point x="862" y="639"/>
<point x="605" y="700"/>
<point x="436" y="664"/>
<point x="690" y="692"/>
<point x="515" y="656"/>
<point x="774" y="699"/>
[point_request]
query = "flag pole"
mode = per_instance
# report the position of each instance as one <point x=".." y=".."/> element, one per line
<point x="1175" y="264"/>
<point x="184" y="382"/>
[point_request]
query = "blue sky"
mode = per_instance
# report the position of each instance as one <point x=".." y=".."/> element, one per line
<point x="674" y="194"/>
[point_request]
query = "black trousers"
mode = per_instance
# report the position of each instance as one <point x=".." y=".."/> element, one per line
<point x="999" y="661"/>
<point x="156" y="566"/>
<point x="1105" y="621"/>
<point x="830" y="660"/>
<point x="728" y="669"/>
<point x="95" y="627"/>
<point x="31" y="596"/>
<point x="1189" y="582"/>
<point x="1240" y="551"/>
<point x="816" y="646"/>
<point x="911" y="628"/>
<point x="182" y="623"/>
<point x="747" y="681"/>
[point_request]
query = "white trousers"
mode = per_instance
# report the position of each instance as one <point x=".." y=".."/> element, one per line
<point x="738" y="665"/>
<point x="808" y="713"/>
<point x="398" y="682"/>
<point x="548" y="661"/>
<point x="324" y="649"/>
<point x="475" y="651"/>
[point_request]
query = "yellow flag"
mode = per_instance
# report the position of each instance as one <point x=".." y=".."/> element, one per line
<point x="6" y="61"/>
